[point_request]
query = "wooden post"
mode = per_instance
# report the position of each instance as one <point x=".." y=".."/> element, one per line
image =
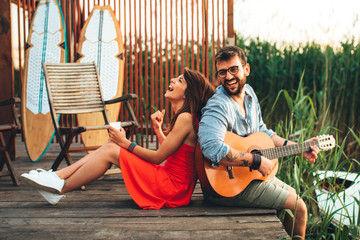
<point x="6" y="65"/>
<point x="230" y="40"/>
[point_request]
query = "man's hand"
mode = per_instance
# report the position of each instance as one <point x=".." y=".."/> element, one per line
<point x="312" y="155"/>
<point x="266" y="166"/>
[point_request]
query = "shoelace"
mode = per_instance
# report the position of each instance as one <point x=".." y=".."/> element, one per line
<point x="37" y="171"/>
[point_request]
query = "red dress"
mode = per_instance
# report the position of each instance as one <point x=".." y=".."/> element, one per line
<point x="154" y="186"/>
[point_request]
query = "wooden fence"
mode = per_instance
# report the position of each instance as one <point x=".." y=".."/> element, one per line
<point x="161" y="37"/>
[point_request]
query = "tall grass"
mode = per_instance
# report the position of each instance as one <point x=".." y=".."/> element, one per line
<point x="332" y="75"/>
<point x="300" y="118"/>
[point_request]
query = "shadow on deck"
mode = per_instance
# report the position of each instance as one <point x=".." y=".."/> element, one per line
<point x="104" y="210"/>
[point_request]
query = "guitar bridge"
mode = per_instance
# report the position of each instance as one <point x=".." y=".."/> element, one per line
<point x="230" y="172"/>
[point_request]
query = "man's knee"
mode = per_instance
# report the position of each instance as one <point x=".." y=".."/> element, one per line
<point x="295" y="202"/>
<point x="301" y="209"/>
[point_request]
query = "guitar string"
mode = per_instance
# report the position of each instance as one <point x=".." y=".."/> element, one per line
<point x="277" y="152"/>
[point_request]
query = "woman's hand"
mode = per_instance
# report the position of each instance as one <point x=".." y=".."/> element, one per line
<point x="118" y="137"/>
<point x="157" y="119"/>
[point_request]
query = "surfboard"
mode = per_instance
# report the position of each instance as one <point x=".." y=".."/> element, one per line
<point x="46" y="43"/>
<point x="101" y="42"/>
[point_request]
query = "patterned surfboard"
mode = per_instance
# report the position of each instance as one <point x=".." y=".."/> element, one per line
<point x="101" y="42"/>
<point x="46" y="43"/>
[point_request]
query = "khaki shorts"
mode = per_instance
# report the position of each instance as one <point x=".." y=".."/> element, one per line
<point x="261" y="194"/>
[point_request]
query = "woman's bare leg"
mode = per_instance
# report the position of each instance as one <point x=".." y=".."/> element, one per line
<point x="66" y="172"/>
<point x="89" y="168"/>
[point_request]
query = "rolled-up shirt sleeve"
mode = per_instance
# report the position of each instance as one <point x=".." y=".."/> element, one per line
<point x="212" y="129"/>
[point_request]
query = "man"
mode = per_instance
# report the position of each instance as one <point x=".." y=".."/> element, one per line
<point x="234" y="107"/>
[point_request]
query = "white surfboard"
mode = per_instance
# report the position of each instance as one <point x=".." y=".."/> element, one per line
<point x="46" y="43"/>
<point x="101" y="42"/>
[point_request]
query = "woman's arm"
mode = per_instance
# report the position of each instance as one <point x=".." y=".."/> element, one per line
<point x="178" y="135"/>
<point x="157" y="119"/>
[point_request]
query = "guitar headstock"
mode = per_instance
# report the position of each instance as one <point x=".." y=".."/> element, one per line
<point x="326" y="142"/>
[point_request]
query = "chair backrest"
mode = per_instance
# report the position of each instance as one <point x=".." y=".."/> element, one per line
<point x="73" y="87"/>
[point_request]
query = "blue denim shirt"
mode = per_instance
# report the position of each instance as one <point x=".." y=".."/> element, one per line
<point x="221" y="114"/>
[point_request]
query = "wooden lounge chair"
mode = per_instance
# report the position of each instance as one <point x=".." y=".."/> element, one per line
<point x="74" y="88"/>
<point x="12" y="128"/>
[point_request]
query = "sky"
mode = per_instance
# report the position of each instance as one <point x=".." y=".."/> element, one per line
<point x="289" y="21"/>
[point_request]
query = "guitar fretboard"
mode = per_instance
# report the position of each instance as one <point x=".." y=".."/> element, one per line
<point x="277" y="152"/>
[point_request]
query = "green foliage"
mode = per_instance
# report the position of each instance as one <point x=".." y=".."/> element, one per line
<point x="300" y="123"/>
<point x="329" y="76"/>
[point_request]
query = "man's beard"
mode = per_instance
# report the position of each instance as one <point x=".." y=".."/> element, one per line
<point x="238" y="91"/>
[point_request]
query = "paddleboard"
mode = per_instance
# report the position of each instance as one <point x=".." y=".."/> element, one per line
<point x="46" y="43"/>
<point x="338" y="193"/>
<point x="101" y="42"/>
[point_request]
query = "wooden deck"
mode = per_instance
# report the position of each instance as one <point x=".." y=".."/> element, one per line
<point x="104" y="210"/>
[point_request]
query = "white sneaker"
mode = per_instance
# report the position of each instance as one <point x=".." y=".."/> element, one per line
<point x="44" y="180"/>
<point x="52" y="198"/>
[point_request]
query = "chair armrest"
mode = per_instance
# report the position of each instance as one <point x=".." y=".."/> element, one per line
<point x="5" y="127"/>
<point x="130" y="96"/>
<point x="10" y="101"/>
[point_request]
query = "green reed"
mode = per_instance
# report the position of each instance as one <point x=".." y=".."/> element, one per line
<point x="300" y="123"/>
<point x="332" y="75"/>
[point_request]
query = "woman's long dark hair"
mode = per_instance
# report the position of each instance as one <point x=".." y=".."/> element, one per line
<point x="198" y="91"/>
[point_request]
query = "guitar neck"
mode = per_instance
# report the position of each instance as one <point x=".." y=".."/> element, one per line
<point x="277" y="152"/>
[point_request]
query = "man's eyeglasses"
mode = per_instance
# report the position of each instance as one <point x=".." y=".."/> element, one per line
<point x="232" y="70"/>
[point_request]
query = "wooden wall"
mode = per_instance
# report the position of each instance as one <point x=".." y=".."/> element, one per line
<point x="161" y="38"/>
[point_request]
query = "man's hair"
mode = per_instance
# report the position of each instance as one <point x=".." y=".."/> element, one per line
<point x="228" y="52"/>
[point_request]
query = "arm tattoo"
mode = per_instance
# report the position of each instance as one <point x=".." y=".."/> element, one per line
<point x="244" y="163"/>
<point x="232" y="156"/>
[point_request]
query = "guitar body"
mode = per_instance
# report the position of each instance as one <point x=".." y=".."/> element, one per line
<point x="216" y="181"/>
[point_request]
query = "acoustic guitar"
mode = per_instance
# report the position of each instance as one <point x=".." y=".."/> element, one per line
<point x="230" y="181"/>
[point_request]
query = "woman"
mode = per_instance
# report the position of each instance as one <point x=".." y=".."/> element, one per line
<point x="151" y="185"/>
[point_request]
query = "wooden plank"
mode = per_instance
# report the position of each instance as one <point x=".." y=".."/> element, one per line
<point x="161" y="69"/>
<point x="98" y="231"/>
<point x="192" y="37"/>
<point x="157" y="224"/>
<point x="146" y="66"/>
<point x="140" y="93"/>
<point x="154" y="228"/>
<point x="151" y="60"/>
<point x="123" y="208"/>
<point x="134" y="222"/>
<point x="105" y="210"/>
<point x="198" y="35"/>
